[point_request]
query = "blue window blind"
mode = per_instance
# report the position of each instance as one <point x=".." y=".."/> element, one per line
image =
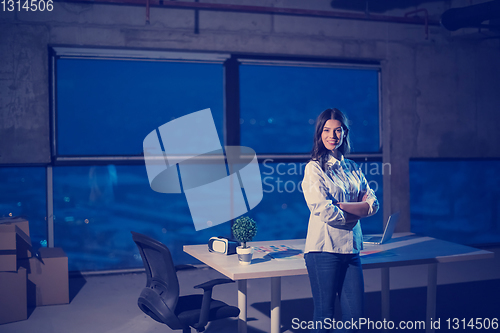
<point x="107" y="107"/>
<point x="279" y="105"/>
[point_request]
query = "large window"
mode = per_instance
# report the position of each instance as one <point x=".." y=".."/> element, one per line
<point x="456" y="200"/>
<point x="105" y="102"/>
<point x="105" y="106"/>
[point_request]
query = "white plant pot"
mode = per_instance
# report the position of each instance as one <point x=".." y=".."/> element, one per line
<point x="244" y="255"/>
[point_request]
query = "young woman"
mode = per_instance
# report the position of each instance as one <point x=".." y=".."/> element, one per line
<point x="337" y="195"/>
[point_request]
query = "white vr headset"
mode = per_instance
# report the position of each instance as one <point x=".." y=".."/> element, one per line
<point x="222" y="245"/>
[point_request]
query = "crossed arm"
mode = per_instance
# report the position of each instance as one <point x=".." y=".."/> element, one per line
<point x="354" y="211"/>
<point x="318" y="198"/>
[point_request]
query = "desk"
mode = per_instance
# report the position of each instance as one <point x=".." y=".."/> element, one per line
<point x="402" y="250"/>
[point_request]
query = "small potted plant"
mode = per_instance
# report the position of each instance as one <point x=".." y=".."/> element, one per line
<point x="244" y="230"/>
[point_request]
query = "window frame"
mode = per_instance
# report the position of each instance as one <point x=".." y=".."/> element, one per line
<point x="64" y="52"/>
<point x="302" y="62"/>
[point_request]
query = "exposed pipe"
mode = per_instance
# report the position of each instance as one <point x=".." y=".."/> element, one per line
<point x="266" y="10"/>
<point x="426" y="19"/>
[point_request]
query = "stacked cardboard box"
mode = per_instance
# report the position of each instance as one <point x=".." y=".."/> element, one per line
<point x="26" y="278"/>
<point x="47" y="277"/>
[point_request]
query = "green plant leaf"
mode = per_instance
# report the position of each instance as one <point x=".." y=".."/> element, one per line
<point x="244" y="229"/>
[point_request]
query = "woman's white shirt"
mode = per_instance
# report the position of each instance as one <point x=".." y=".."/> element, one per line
<point x="342" y="181"/>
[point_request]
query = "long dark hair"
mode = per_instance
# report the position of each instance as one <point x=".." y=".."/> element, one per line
<point x="319" y="151"/>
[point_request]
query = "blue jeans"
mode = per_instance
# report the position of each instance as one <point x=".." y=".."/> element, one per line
<point x="331" y="274"/>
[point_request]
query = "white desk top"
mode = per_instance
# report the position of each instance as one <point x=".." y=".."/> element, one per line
<point x="409" y="249"/>
<point x="403" y="249"/>
<point x="262" y="265"/>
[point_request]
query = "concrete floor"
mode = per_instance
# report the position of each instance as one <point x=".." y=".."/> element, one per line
<point x="108" y="304"/>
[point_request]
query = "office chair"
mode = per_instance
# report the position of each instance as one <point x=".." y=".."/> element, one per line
<point x="160" y="298"/>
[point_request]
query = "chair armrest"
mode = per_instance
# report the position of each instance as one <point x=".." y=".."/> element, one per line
<point x="207" y="298"/>
<point x="210" y="284"/>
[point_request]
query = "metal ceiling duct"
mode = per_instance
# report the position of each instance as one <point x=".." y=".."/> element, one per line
<point x="471" y="16"/>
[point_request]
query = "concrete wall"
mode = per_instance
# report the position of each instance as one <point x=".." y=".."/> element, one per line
<point x="439" y="95"/>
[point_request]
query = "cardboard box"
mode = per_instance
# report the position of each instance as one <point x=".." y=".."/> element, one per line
<point x="15" y="244"/>
<point x="21" y="222"/>
<point x="13" y="296"/>
<point x="47" y="277"/>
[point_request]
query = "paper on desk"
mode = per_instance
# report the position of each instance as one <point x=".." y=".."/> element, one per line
<point x="280" y="252"/>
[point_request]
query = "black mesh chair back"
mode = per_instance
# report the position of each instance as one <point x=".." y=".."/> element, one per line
<point x="159" y="298"/>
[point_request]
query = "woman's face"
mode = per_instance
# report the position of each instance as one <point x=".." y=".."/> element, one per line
<point x="333" y="134"/>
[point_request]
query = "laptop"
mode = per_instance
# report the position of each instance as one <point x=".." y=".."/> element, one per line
<point x="389" y="229"/>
